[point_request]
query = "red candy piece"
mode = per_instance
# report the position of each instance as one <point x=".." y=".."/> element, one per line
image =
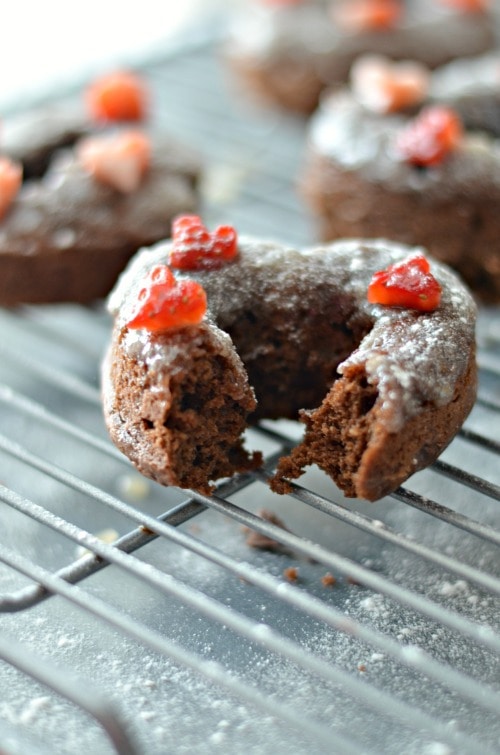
<point x="408" y="284"/>
<point x="11" y="176"/>
<point x="117" y="96"/>
<point x="430" y="137"/>
<point x="194" y="247"/>
<point x="166" y="303"/>
<point x="359" y="16"/>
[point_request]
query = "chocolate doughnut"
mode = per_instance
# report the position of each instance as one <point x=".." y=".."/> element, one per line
<point x="357" y="182"/>
<point x="287" y="53"/>
<point x="69" y="229"/>
<point x="290" y="333"/>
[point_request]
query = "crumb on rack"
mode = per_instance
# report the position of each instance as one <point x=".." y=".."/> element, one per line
<point x="133" y="486"/>
<point x="291" y="573"/>
<point x="328" y="580"/>
<point x="263" y="542"/>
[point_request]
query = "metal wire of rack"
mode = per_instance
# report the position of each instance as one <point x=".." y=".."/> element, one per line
<point x="139" y="619"/>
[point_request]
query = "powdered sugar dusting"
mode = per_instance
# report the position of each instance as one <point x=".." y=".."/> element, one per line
<point x="356" y="139"/>
<point x="412" y="357"/>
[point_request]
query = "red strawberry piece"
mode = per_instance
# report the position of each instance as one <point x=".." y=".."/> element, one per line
<point x="430" y="137"/>
<point x="118" y="160"/>
<point x="224" y="242"/>
<point x="194" y="247"/>
<point x="183" y="222"/>
<point x="408" y="284"/>
<point x="117" y="96"/>
<point x="165" y="303"/>
<point x="385" y="86"/>
<point x="11" y="176"/>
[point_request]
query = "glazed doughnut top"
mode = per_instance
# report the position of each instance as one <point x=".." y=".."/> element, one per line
<point x="419" y="356"/>
<point x="424" y="354"/>
<point x="286" y="324"/>
<point x="358" y="139"/>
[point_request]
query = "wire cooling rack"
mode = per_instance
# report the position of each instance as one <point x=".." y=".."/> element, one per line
<point x="140" y="619"/>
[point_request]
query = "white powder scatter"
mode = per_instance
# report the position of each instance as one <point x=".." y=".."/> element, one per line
<point x="217" y="737"/>
<point x="32" y="709"/>
<point x="64" y="641"/>
<point x="370" y="604"/>
<point x="147" y="715"/>
<point x="453" y="589"/>
<point x="374" y="604"/>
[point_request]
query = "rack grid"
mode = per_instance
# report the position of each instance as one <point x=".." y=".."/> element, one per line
<point x="137" y="618"/>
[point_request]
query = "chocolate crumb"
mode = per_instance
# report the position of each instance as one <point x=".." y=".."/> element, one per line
<point x="263" y="542"/>
<point x="328" y="580"/>
<point x="291" y="574"/>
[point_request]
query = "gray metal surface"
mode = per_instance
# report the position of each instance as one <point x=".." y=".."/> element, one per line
<point x="178" y="636"/>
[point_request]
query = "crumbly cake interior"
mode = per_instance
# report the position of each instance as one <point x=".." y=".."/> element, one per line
<point x="347" y="437"/>
<point x="187" y="427"/>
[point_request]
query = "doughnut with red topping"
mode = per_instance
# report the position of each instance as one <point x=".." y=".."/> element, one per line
<point x="97" y="184"/>
<point x="414" y="157"/>
<point x="369" y="342"/>
<point x="288" y="52"/>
